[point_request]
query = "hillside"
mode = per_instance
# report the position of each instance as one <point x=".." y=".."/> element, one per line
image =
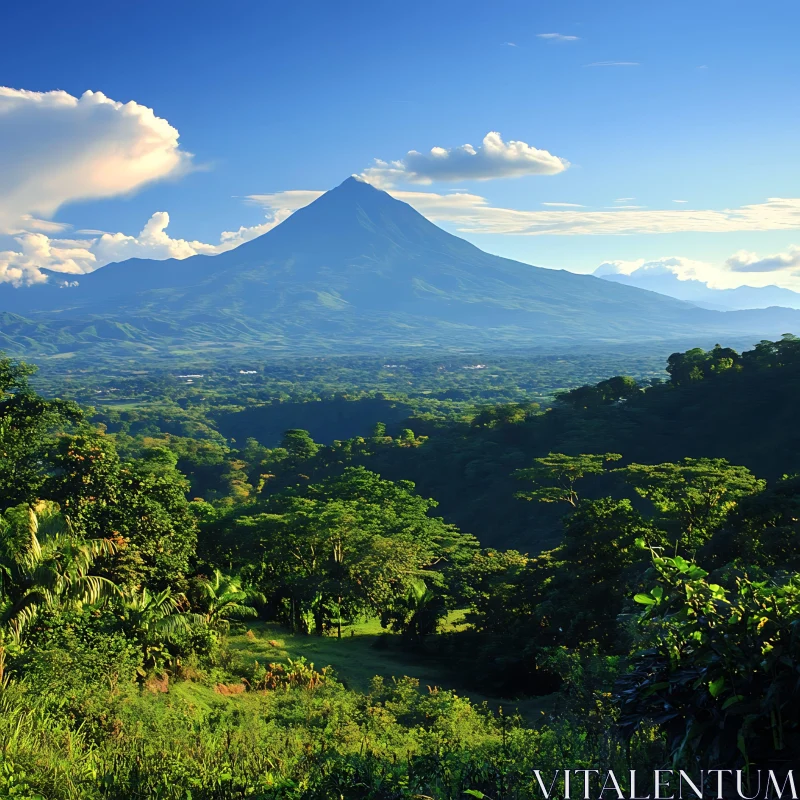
<point x="740" y="414"/>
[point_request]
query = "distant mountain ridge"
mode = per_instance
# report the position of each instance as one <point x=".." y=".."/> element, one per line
<point x="700" y="294"/>
<point x="355" y="270"/>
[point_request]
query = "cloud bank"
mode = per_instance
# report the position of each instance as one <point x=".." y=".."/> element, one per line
<point x="56" y="148"/>
<point x="780" y="268"/>
<point x="492" y="159"/>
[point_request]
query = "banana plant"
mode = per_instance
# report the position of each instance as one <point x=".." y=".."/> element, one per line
<point x="153" y="619"/>
<point x="223" y="599"/>
<point x="45" y="565"/>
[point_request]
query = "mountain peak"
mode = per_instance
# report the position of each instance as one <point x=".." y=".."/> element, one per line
<point x="355" y="183"/>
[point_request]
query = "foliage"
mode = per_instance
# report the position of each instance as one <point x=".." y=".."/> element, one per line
<point x="694" y="495"/>
<point x="44" y="565"/>
<point x="554" y="476"/>
<point x="223" y="599"/>
<point x="718" y="671"/>
<point x="152" y="620"/>
<point x="125" y="669"/>
<point x="613" y="390"/>
<point x="27" y="420"/>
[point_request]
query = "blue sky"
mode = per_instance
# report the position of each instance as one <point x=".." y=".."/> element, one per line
<point x="656" y="102"/>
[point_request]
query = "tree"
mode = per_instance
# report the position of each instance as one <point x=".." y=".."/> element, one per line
<point x="504" y="414"/>
<point x="347" y="545"/>
<point x="554" y="476"/>
<point x="406" y="438"/>
<point x="698" y="364"/>
<point x="589" y="576"/>
<point x="141" y="502"/>
<point x="223" y="599"/>
<point x="319" y="554"/>
<point x="299" y="444"/>
<point x="768" y="355"/>
<point x="152" y="620"/>
<point x="694" y="495"/>
<point x="418" y="614"/>
<point x="763" y="531"/>
<point x="44" y="565"/>
<point x="613" y="390"/>
<point x="27" y="424"/>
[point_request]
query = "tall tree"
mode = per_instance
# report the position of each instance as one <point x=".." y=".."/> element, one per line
<point x="694" y="496"/>
<point x="555" y="475"/>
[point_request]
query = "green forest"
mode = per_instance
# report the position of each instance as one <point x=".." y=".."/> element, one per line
<point x="397" y="579"/>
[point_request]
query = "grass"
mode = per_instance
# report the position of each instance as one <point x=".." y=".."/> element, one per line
<point x="356" y="660"/>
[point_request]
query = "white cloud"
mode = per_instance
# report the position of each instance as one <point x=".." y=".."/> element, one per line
<point x="56" y="148"/>
<point x="558" y="37"/>
<point x="624" y="199"/>
<point x="779" y="269"/>
<point x="509" y="44"/>
<point x="564" y="205"/>
<point x="613" y="64"/>
<point x="36" y="252"/>
<point x="744" y="261"/>
<point x="680" y="201"/>
<point x="684" y="269"/>
<point x="472" y="213"/>
<point x="494" y="158"/>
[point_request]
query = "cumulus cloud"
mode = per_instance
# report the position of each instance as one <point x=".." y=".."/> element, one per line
<point x="744" y="261"/>
<point x="493" y="158"/>
<point x="558" y="37"/>
<point x="685" y="269"/>
<point x="35" y="252"/>
<point x="56" y="148"/>
<point x="23" y="266"/>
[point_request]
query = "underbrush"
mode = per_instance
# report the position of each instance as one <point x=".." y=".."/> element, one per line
<point x="303" y="737"/>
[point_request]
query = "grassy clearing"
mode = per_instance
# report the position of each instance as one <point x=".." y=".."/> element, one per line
<point x="356" y="660"/>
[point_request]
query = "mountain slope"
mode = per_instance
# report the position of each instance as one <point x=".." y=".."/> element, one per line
<point x="358" y="269"/>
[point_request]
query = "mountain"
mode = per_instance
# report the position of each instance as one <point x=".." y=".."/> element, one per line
<point x="664" y="281"/>
<point x="356" y="270"/>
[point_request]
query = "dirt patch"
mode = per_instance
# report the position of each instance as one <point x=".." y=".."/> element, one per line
<point x="229" y="689"/>
<point x="157" y="684"/>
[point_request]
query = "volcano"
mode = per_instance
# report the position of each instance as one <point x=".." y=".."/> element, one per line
<point x="355" y="270"/>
